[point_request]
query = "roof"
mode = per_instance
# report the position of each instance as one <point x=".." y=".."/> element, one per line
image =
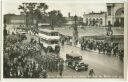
<point x="18" y="17"/>
<point x="71" y="18"/>
<point x="47" y="30"/>
<point x="44" y="24"/>
<point x="93" y="14"/>
<point x="49" y="37"/>
<point x="73" y="54"/>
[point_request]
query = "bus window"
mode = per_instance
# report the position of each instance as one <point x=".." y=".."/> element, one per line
<point x="54" y="34"/>
<point x="54" y="42"/>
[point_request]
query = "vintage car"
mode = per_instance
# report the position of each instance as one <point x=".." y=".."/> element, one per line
<point x="74" y="61"/>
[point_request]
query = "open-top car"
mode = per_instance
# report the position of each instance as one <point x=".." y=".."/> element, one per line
<point x="74" y="61"/>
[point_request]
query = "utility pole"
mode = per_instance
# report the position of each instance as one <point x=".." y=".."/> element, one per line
<point x="75" y="31"/>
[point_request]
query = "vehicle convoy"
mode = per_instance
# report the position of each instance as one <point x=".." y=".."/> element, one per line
<point x="49" y="39"/>
<point x="74" y="61"/>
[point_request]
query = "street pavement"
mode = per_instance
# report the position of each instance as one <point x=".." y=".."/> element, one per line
<point x="103" y="65"/>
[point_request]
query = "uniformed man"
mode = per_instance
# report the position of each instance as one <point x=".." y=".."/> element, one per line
<point x="44" y="73"/>
<point x="61" y="67"/>
<point x="91" y="73"/>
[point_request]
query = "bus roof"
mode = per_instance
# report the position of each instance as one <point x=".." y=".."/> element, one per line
<point x="47" y="30"/>
<point x="73" y="54"/>
<point x="48" y="37"/>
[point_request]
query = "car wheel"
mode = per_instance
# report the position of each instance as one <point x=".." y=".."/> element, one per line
<point x="76" y="68"/>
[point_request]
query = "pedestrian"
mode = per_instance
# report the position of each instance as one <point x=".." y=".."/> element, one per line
<point x="61" y="67"/>
<point x="44" y="73"/>
<point x="91" y="73"/>
<point x="82" y="45"/>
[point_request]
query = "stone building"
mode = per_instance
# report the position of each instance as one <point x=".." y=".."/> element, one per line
<point x="95" y="19"/>
<point x="16" y="23"/>
<point x="115" y="14"/>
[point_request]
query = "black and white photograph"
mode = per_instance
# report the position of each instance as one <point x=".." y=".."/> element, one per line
<point x="57" y="39"/>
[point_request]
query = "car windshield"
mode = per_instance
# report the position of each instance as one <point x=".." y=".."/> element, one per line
<point x="77" y="58"/>
<point x="81" y="63"/>
<point x="54" y="42"/>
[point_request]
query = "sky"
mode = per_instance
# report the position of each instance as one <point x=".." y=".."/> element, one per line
<point x="78" y="7"/>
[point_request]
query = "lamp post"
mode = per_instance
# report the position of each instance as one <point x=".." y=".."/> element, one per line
<point x="75" y="31"/>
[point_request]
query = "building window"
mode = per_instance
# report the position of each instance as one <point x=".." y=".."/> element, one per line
<point x="109" y="10"/>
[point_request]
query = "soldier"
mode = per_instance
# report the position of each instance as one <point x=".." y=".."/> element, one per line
<point x="50" y="65"/>
<point x="109" y="50"/>
<point x="56" y="63"/>
<point x="99" y="47"/>
<point x="44" y="73"/>
<point x="91" y="73"/>
<point x="57" y="49"/>
<point x="121" y="54"/>
<point x="62" y="42"/>
<point x="61" y="67"/>
<point x="82" y="45"/>
<point x="115" y="50"/>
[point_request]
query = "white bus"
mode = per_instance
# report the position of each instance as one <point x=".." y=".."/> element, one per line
<point x="49" y="38"/>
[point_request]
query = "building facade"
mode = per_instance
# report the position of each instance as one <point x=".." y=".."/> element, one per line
<point x="115" y="14"/>
<point x="16" y="23"/>
<point x="95" y="19"/>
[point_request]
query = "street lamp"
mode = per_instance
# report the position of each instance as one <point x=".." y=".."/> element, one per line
<point x="75" y="31"/>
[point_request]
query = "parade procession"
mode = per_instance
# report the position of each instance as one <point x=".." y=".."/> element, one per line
<point x="42" y="42"/>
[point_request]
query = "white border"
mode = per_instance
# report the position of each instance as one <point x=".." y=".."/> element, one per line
<point x="75" y="80"/>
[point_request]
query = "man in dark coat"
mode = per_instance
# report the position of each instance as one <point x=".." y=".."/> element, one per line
<point x="44" y="73"/>
<point x="61" y="67"/>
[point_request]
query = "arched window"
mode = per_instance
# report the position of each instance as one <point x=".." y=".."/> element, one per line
<point x="119" y="12"/>
<point x="119" y="16"/>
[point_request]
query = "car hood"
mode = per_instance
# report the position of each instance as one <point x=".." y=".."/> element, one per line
<point x="80" y="62"/>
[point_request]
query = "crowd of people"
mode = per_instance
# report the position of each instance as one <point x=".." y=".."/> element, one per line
<point x="107" y="48"/>
<point x="19" y="61"/>
<point x="25" y="60"/>
<point x="102" y="46"/>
